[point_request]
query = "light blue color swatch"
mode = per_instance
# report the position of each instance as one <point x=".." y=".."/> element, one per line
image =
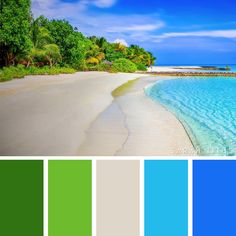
<point x="207" y="109"/>
<point x="166" y="198"/>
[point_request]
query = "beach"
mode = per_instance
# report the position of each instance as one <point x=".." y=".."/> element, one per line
<point x="76" y="114"/>
<point x="135" y="125"/>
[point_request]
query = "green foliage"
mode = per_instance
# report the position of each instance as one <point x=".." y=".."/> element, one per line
<point x="100" y="67"/>
<point x="48" y="43"/>
<point x="76" y="47"/>
<point x="38" y="30"/>
<point x="42" y="38"/>
<point x="104" y="67"/>
<point x="8" y="73"/>
<point x="52" y="54"/>
<point x="37" y="56"/>
<point x="124" y="65"/>
<point x="141" y="67"/>
<point x="139" y="56"/>
<point x="44" y="51"/>
<point x="92" y="60"/>
<point x="72" y="44"/>
<point x="112" y="53"/>
<point x="14" y="30"/>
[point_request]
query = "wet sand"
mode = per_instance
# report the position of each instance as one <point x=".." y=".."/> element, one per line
<point x="134" y="125"/>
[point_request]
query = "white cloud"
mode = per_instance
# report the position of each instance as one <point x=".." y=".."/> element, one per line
<point x="56" y="8"/>
<point x="230" y="34"/>
<point x="104" y="3"/>
<point x="145" y="27"/>
<point x="127" y="25"/>
<point x="121" y="41"/>
<point x="53" y="8"/>
<point x="134" y="28"/>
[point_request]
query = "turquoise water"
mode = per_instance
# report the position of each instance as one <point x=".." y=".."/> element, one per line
<point x="207" y="109"/>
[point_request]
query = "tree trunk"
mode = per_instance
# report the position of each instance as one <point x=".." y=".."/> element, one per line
<point x="10" y="59"/>
<point x="28" y="64"/>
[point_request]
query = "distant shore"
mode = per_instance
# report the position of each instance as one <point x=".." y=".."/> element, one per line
<point x="191" y="73"/>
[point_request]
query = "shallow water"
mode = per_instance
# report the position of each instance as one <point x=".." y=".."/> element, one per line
<point x="207" y="109"/>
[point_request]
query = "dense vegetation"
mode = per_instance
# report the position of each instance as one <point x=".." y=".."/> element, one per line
<point x="41" y="44"/>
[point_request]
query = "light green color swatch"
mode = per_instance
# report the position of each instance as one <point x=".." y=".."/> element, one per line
<point x="70" y="198"/>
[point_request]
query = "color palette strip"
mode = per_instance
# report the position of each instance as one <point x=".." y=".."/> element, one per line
<point x="118" y="202"/>
<point x="166" y="198"/>
<point x="21" y="198"/>
<point x="70" y="198"/>
<point x="214" y="198"/>
<point x="118" y="198"/>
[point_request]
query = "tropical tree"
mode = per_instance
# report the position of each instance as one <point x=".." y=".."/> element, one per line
<point x="42" y="42"/>
<point x="138" y="55"/>
<point x="52" y="54"/>
<point x="113" y="53"/>
<point x="44" y="50"/>
<point x="75" y="49"/>
<point x="120" y="48"/>
<point x="72" y="44"/>
<point x="14" y="30"/>
<point x="38" y="30"/>
<point x="124" y="65"/>
<point x="92" y="61"/>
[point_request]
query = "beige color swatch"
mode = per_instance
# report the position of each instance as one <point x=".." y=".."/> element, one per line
<point x="118" y="198"/>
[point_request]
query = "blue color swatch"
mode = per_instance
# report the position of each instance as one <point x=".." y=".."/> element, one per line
<point x="166" y="198"/>
<point x="214" y="198"/>
<point x="207" y="109"/>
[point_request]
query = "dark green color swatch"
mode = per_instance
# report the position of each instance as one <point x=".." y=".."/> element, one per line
<point x="70" y="198"/>
<point x="21" y="198"/>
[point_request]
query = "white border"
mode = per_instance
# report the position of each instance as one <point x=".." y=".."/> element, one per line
<point x="141" y="197"/>
<point x="190" y="198"/>
<point x="94" y="197"/>
<point x="45" y="198"/>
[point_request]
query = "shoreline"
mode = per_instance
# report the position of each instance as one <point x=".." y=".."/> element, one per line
<point x="134" y="124"/>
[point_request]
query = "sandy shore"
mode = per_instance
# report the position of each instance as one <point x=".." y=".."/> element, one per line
<point x="48" y="115"/>
<point x="135" y="125"/>
<point x="77" y="115"/>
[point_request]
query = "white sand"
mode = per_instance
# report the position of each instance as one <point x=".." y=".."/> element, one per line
<point x="76" y="115"/>
<point x="48" y="115"/>
<point x="135" y="125"/>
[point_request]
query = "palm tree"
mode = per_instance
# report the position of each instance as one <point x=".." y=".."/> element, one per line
<point x="44" y="50"/>
<point x="52" y="54"/>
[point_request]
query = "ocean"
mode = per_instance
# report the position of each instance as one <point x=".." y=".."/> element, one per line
<point x="207" y="109"/>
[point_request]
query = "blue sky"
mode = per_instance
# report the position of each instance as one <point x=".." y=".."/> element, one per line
<point x="176" y="31"/>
